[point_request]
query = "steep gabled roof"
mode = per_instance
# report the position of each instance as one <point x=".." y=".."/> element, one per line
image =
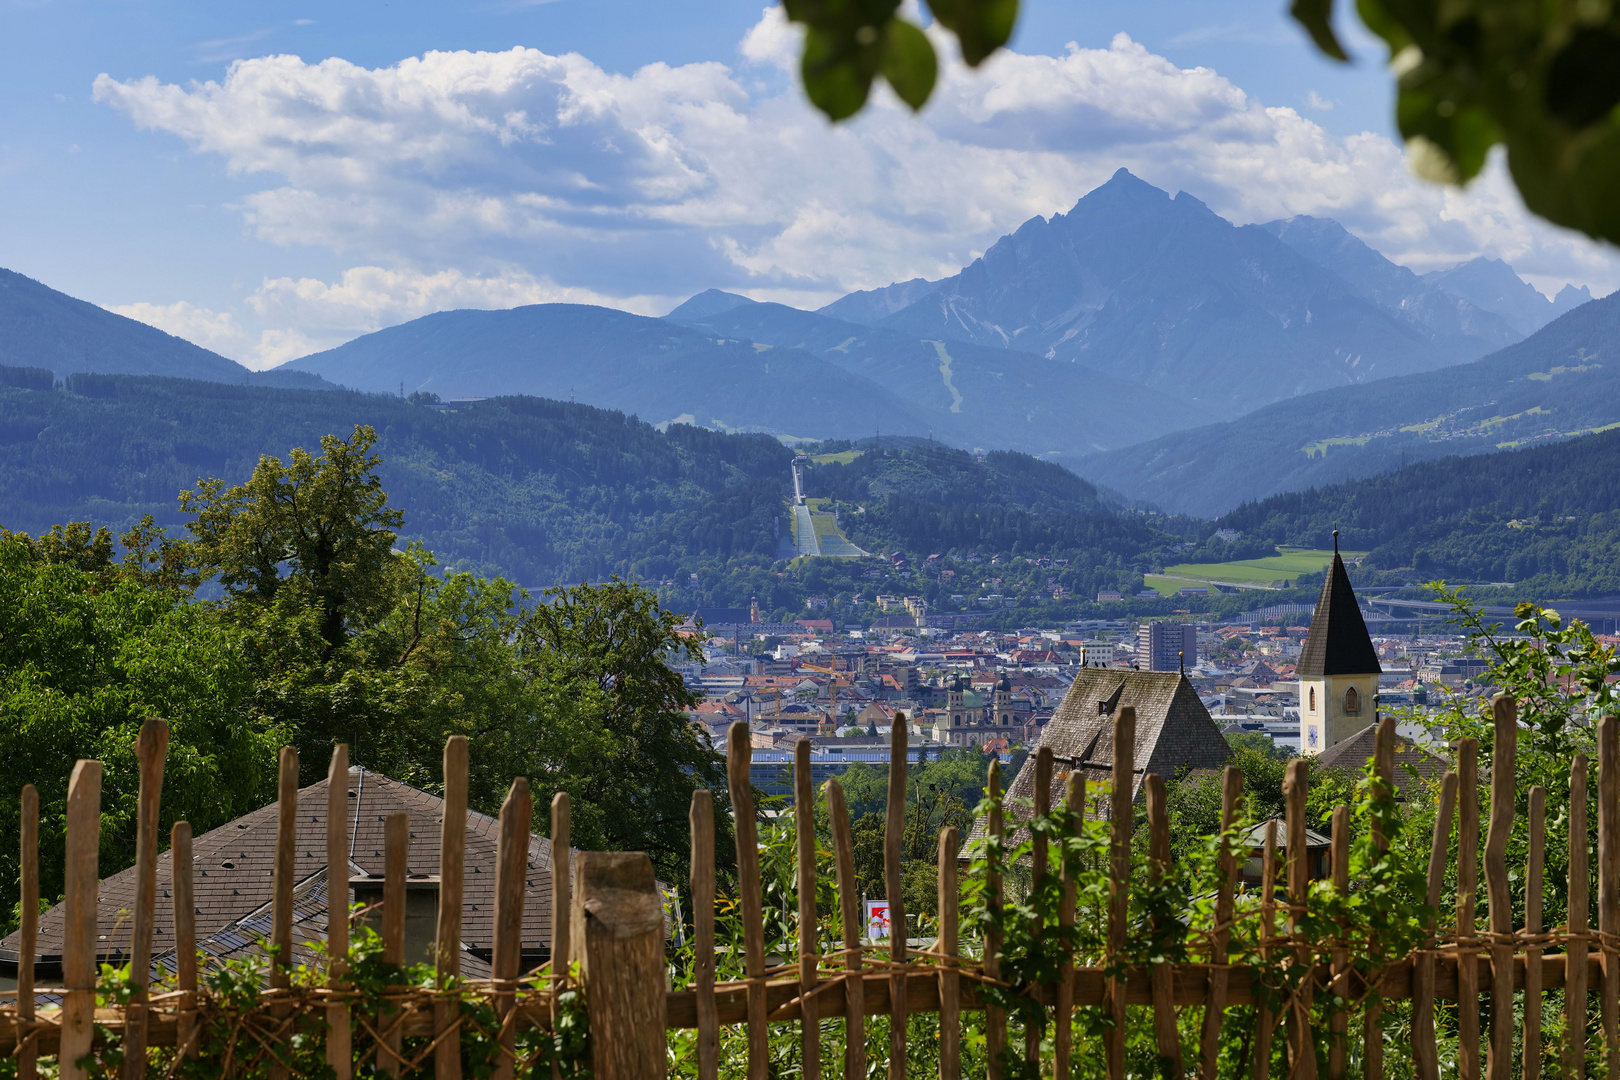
<point x="1173" y="729"/>
<point x="1414" y="766"/>
<point x="1338" y="642"/>
<point x="232" y="873"/>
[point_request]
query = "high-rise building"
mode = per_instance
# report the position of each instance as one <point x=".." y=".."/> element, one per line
<point x="1166" y="646"/>
<point x="1338" y="667"/>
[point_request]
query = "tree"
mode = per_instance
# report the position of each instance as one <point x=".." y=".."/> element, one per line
<point x="319" y="526"/>
<point x="608" y="720"/>
<point x="88" y="653"/>
<point x="1536" y="76"/>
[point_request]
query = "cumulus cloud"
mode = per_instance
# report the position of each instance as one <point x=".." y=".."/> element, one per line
<point x="509" y="177"/>
<point x="216" y="330"/>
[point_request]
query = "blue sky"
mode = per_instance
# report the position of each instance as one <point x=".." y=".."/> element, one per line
<point x="365" y="163"/>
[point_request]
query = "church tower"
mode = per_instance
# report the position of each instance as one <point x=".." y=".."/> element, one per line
<point x="1338" y="668"/>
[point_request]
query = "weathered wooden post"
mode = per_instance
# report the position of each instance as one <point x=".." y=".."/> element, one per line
<point x="151" y="746"/>
<point x="79" y="931"/>
<point x="618" y="940"/>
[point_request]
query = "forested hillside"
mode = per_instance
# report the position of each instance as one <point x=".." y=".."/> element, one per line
<point x="541" y="491"/>
<point x="1546" y="519"/>
<point x="926" y="499"/>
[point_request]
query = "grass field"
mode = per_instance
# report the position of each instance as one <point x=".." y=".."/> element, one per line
<point x="829" y="536"/>
<point x="843" y="457"/>
<point x="1268" y="572"/>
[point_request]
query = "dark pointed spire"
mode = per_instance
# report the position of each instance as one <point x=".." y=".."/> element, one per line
<point x="1338" y="642"/>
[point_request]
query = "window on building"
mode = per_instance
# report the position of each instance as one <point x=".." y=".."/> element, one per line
<point x="1352" y="701"/>
<point x="1313" y="699"/>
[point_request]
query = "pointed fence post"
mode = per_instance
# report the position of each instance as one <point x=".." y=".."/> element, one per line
<point x="1498" y="890"/>
<point x="28" y="932"/>
<point x="79" y="927"/>
<point x="447" y="930"/>
<point x="340" y="1035"/>
<point x="185" y="938"/>
<point x="150" y="747"/>
<point x="1122" y="797"/>
<point x="511" y="861"/>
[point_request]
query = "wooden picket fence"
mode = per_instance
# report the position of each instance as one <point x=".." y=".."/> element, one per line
<point x="616" y="933"/>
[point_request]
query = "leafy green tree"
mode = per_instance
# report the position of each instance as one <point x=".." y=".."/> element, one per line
<point x="319" y="526"/>
<point x="86" y="655"/>
<point x="608" y="721"/>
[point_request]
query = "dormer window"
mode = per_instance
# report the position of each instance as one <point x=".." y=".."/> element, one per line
<point x="1352" y="702"/>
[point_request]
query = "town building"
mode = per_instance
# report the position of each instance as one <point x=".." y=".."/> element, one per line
<point x="1166" y="646"/>
<point x="1338" y="667"/>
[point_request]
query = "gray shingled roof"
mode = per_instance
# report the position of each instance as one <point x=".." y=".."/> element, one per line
<point x="1352" y="754"/>
<point x="1173" y="729"/>
<point x="1337" y="642"/>
<point x="233" y="863"/>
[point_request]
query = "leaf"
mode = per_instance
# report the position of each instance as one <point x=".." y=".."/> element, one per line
<point x="837" y="71"/>
<point x="1316" y="16"/>
<point x="981" y="26"/>
<point x="909" y="63"/>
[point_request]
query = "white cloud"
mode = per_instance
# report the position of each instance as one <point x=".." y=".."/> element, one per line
<point x="518" y="175"/>
<point x="1316" y="101"/>
<point x="216" y="330"/>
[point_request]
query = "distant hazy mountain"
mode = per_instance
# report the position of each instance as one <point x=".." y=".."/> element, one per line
<point x="1442" y="314"/>
<point x="1564" y="380"/>
<point x="1164" y="292"/>
<point x="43" y="328"/>
<point x="655" y="369"/>
<point x="1492" y="285"/>
<point x="874" y="305"/>
<point x="970" y="395"/>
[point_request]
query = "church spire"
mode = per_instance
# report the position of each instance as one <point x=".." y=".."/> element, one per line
<point x="1338" y="642"/>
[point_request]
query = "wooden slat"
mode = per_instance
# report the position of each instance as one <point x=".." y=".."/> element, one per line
<point x="1425" y="1054"/>
<point x="185" y="937"/>
<point x="849" y="910"/>
<point x="1220" y="937"/>
<point x="28" y="930"/>
<point x="1338" y="1025"/>
<point x="511" y="881"/>
<point x="1038" y="867"/>
<point x="950" y="1019"/>
<point x="1499" y="891"/>
<point x="1467" y="886"/>
<point x="1609" y="880"/>
<point x="452" y="889"/>
<point x="1301" y="1039"/>
<point x="995" y="1018"/>
<point x="1372" y="1026"/>
<point x="562" y="904"/>
<point x="340" y="1036"/>
<point x="701" y="817"/>
<point x="739" y="755"/>
<point x="396" y="853"/>
<point x="1121" y="799"/>
<point x="79" y="924"/>
<point x="1530" y="1069"/>
<point x="1265" y="1023"/>
<point x="894" y="828"/>
<point x="1074" y="804"/>
<point x="283" y="876"/>
<point x="151" y="746"/>
<point x="1577" y="923"/>
<point x="804" y="831"/>
<point x="1164" y="1006"/>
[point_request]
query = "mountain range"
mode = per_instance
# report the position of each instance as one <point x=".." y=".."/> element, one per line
<point x="1563" y="380"/>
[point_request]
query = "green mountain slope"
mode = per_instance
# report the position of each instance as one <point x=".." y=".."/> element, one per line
<point x="649" y="367"/>
<point x="1546" y="519"/>
<point x="1564" y="380"/>
<point x="40" y="327"/>
<point x="542" y="491"/>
